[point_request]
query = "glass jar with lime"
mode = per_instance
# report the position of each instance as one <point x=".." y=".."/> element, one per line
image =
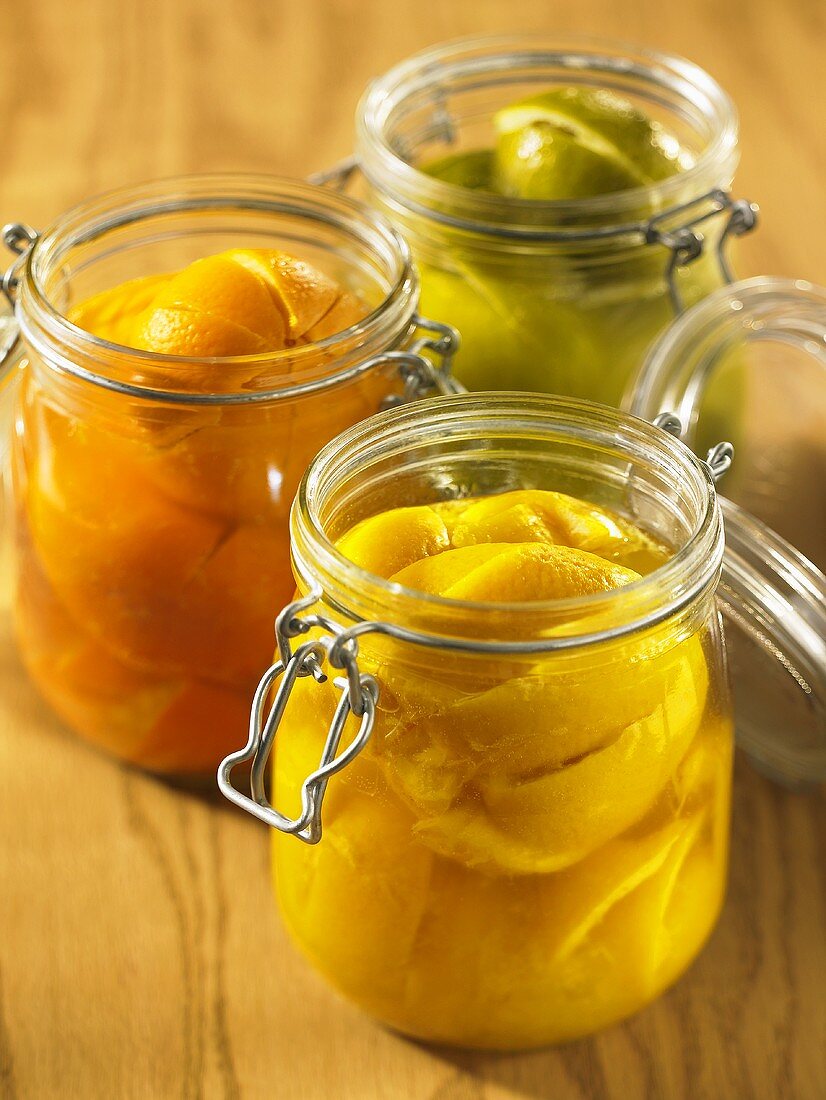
<point x="562" y="197"/>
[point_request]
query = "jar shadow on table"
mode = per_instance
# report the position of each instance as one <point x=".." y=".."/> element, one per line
<point x="580" y="1061"/>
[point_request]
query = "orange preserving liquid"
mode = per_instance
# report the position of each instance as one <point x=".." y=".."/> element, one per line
<point x="152" y="543"/>
<point x="526" y="850"/>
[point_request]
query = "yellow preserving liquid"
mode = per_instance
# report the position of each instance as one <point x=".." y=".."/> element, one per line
<point x="529" y="848"/>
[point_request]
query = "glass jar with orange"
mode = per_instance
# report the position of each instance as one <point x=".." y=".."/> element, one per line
<point x="188" y="346"/>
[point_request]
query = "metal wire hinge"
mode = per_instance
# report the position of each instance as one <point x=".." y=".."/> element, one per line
<point x="20" y="239"/>
<point x="685" y="242"/>
<point x="336" y="177"/>
<point x="719" y="458"/>
<point x="427" y="367"/>
<point x="359" y="695"/>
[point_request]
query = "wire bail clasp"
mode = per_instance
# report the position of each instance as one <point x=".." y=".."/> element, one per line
<point x="427" y="366"/>
<point x="359" y="695"/>
<point x="338" y="176"/>
<point x="19" y="238"/>
<point x="720" y="456"/>
<point x="686" y="243"/>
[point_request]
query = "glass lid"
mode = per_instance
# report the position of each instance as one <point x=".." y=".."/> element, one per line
<point x="748" y="364"/>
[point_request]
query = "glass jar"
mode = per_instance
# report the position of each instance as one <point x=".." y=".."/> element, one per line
<point x="149" y="488"/>
<point x="565" y="296"/>
<point x="525" y="822"/>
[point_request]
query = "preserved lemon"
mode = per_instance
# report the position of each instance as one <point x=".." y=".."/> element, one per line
<point x="530" y="847"/>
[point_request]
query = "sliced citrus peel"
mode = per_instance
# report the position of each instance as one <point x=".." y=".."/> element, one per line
<point x="238" y="302"/>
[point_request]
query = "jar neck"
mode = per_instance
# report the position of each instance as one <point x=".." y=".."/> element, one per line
<point x="474" y="444"/>
<point x="162" y="226"/>
<point x="424" y="104"/>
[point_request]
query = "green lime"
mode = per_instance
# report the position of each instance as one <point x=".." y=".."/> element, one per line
<point x="473" y="169"/>
<point x="593" y="140"/>
<point x="543" y="161"/>
<point x="516" y="333"/>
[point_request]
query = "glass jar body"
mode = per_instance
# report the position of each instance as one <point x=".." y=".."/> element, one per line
<point x="557" y="297"/>
<point x="547" y="323"/>
<point x="151" y="525"/>
<point x="151" y="547"/>
<point x="522" y="855"/>
<point x="532" y="845"/>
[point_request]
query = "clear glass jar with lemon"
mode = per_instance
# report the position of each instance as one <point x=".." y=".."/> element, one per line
<point x="562" y="198"/>
<point x="532" y="843"/>
<point x="187" y="348"/>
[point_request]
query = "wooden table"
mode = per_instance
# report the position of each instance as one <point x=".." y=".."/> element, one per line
<point x="140" y="955"/>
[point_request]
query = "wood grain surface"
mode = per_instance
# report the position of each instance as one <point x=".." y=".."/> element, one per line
<point x="140" y="954"/>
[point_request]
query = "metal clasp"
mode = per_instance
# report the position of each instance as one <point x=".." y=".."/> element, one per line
<point x="719" y="458"/>
<point x="359" y="695"/>
<point x="336" y="177"/>
<point x="423" y="375"/>
<point x="18" y="238"/>
<point x="686" y="244"/>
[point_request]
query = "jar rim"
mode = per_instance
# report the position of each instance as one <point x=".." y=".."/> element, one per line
<point x="53" y="335"/>
<point x="691" y="571"/>
<point x="501" y="216"/>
